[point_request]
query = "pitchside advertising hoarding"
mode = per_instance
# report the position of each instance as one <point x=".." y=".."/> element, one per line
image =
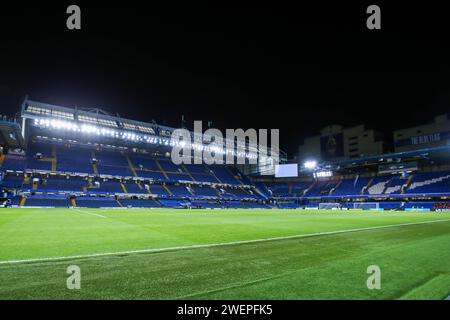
<point x="332" y="146"/>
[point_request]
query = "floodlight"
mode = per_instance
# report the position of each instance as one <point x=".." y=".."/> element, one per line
<point x="311" y="164"/>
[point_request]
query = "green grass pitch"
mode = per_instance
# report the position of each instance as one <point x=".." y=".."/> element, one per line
<point x="223" y="254"/>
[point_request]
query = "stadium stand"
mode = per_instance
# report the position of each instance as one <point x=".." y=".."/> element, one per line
<point x="205" y="191"/>
<point x="206" y="204"/>
<point x="134" y="187"/>
<point x="53" y="171"/>
<point x="179" y="190"/>
<point x="13" y="181"/>
<point x="62" y="184"/>
<point x="278" y="189"/>
<point x="74" y="160"/>
<point x="223" y="195"/>
<point x="47" y="201"/>
<point x="350" y="186"/>
<point x="96" y="202"/>
<point x="435" y="182"/>
<point x="140" y="203"/>
<point x="224" y="175"/>
<point x="15" y="163"/>
<point x="159" y="190"/>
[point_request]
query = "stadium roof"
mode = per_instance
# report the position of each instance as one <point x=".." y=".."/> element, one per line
<point x="34" y="109"/>
<point x="94" y="120"/>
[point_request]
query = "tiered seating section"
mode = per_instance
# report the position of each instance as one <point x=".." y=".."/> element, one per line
<point x="67" y="176"/>
<point x="84" y="177"/>
<point x="431" y="183"/>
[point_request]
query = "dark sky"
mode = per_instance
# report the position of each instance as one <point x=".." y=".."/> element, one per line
<point x="293" y="68"/>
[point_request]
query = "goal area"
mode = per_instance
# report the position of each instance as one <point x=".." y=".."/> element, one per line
<point x="330" y="205"/>
<point x="366" y="205"/>
<point x="351" y="205"/>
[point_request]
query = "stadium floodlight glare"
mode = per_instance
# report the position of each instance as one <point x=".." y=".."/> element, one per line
<point x="310" y="164"/>
<point x="89" y="129"/>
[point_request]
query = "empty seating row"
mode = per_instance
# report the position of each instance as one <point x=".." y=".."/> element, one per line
<point x="47" y="201"/>
<point x="73" y="159"/>
<point x="140" y="203"/>
<point x="94" y="202"/>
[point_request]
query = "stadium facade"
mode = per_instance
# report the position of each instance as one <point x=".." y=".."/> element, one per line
<point x="72" y="157"/>
<point x="429" y="135"/>
<point x="338" y="143"/>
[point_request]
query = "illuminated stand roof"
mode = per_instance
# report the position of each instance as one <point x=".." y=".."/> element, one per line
<point x="94" y="122"/>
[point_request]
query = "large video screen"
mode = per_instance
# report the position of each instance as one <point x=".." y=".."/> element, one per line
<point x="286" y="170"/>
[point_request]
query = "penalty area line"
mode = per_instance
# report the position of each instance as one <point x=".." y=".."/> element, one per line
<point x="211" y="245"/>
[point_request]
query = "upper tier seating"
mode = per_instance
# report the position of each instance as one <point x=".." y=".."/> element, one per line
<point x="20" y="163"/>
<point x="197" y="169"/>
<point x="158" y="190"/>
<point x="114" y="163"/>
<point x="74" y="160"/>
<point x="377" y="186"/>
<point x="62" y="183"/>
<point x="350" y="187"/>
<point x="111" y="186"/>
<point x="169" y="166"/>
<point x="204" y="191"/>
<point x="224" y="174"/>
<point x="262" y="188"/>
<point x="241" y="193"/>
<point x="299" y="188"/>
<point x="155" y="175"/>
<point x="133" y="187"/>
<point x="432" y="182"/>
<point x="179" y="177"/>
<point x="281" y="189"/>
<point x="114" y="170"/>
<point x="394" y="185"/>
<point x="142" y="162"/>
<point x="38" y="164"/>
<point x="278" y="189"/>
<point x="109" y="158"/>
<point x="204" y="178"/>
<point x="180" y="191"/>
<point x="321" y="188"/>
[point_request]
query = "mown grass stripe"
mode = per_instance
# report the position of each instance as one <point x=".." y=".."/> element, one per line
<point x="199" y="246"/>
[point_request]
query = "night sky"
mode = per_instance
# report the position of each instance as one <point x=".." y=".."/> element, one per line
<point x="293" y="68"/>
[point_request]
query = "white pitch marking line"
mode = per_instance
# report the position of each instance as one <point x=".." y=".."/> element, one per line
<point x="198" y="246"/>
<point x="87" y="212"/>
